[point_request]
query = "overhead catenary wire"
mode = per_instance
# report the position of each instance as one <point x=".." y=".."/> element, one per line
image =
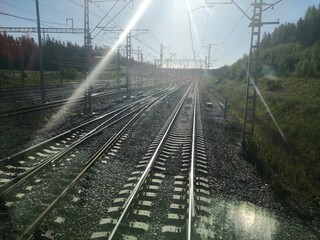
<point x="32" y="13"/>
<point x="147" y="46"/>
<point x="16" y="7"/>
<point x="28" y="19"/>
<point x="277" y="8"/>
<point x="272" y="5"/>
<point x="80" y="5"/>
<point x="111" y="19"/>
<point x="241" y="39"/>
<point x="191" y="37"/>
<point x="152" y="34"/>
<point x="106" y="14"/>
<point x="135" y="37"/>
<point x="243" y="36"/>
<point x="235" y="27"/>
<point x="59" y="11"/>
<point x="205" y="29"/>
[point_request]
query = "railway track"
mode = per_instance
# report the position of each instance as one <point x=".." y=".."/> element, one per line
<point x="52" y="92"/>
<point x="16" y="166"/>
<point x="55" y="104"/>
<point x="71" y="164"/>
<point x="168" y="194"/>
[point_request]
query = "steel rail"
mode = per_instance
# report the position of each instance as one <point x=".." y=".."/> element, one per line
<point x="191" y="211"/>
<point x="63" y="134"/>
<point x="14" y="93"/>
<point x="52" y="104"/>
<point x="16" y="182"/>
<point x="28" y="232"/>
<point x="23" y="152"/>
<point x="128" y="202"/>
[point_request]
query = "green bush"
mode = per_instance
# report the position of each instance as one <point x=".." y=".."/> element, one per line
<point x="274" y="85"/>
<point x="69" y="73"/>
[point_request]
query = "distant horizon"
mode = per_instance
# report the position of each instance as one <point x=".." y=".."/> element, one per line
<point x="168" y="21"/>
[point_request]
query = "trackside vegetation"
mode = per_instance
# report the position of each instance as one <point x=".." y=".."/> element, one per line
<point x="289" y="81"/>
<point x="63" y="61"/>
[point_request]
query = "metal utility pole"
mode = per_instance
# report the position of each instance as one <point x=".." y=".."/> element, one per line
<point x="118" y="67"/>
<point x="87" y="46"/>
<point x="22" y="66"/>
<point x="42" y="87"/>
<point x="209" y="55"/>
<point x="206" y="62"/>
<point x="208" y="58"/>
<point x="128" y="58"/>
<point x="138" y="51"/>
<point x="128" y="53"/>
<point x="161" y="55"/>
<point x="253" y="71"/>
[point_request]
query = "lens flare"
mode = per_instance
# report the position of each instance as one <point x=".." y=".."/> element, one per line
<point x="193" y="28"/>
<point x="269" y="111"/>
<point x="94" y="74"/>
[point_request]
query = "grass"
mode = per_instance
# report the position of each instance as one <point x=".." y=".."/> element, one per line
<point x="292" y="167"/>
<point x="12" y="79"/>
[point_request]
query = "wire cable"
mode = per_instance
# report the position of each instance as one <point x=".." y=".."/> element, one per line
<point x="111" y="20"/>
<point x="272" y="5"/>
<point x="205" y="29"/>
<point x="106" y="14"/>
<point x="243" y="37"/>
<point x="78" y="4"/>
<point x="28" y="19"/>
<point x="21" y="9"/>
<point x="59" y="11"/>
<point x="191" y="37"/>
<point x="235" y="27"/>
<point x="147" y="46"/>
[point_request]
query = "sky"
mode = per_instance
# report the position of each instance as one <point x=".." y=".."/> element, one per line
<point x="184" y="27"/>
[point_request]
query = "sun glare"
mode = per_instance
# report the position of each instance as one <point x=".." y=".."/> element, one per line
<point x="269" y="111"/>
<point x="104" y="62"/>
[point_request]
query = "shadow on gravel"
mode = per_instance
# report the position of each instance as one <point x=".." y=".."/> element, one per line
<point x="249" y="152"/>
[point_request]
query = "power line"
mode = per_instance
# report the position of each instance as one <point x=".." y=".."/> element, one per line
<point x="283" y="6"/>
<point x="59" y="11"/>
<point x="147" y="45"/>
<point x="235" y="27"/>
<point x="191" y="37"/>
<point x="151" y="33"/>
<point x="78" y="4"/>
<point x="21" y="9"/>
<point x="272" y="5"/>
<point x="14" y="6"/>
<point x="135" y="37"/>
<point x="106" y="14"/>
<point x="112" y="19"/>
<point x="28" y="19"/>
<point x="243" y="37"/>
<point x="205" y="29"/>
